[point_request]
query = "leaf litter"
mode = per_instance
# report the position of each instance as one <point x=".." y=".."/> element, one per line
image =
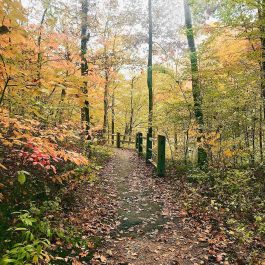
<point x="140" y="221"/>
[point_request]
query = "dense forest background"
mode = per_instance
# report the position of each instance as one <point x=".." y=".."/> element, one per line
<point x="41" y="76"/>
<point x="59" y="100"/>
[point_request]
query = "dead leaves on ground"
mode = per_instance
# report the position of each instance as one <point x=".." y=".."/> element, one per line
<point x="142" y="222"/>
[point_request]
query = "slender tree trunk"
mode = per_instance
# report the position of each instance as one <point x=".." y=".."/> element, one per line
<point x="39" y="60"/>
<point x="169" y="144"/>
<point x="106" y="102"/>
<point x="253" y="142"/>
<point x="197" y="97"/>
<point x="219" y="156"/>
<point x="85" y="115"/>
<point x="126" y="131"/>
<point x="186" y="146"/>
<point x="109" y="130"/>
<point x="247" y="139"/>
<point x="59" y="113"/>
<point x="113" y="117"/>
<point x="131" y="108"/>
<point x="253" y="132"/>
<point x="175" y="141"/>
<point x="4" y="90"/>
<point x="150" y="69"/>
<point x="234" y="148"/>
<point x="261" y="12"/>
<point x="260" y="134"/>
<point x="63" y="93"/>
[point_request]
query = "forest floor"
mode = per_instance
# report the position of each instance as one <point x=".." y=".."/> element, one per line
<point x="140" y="219"/>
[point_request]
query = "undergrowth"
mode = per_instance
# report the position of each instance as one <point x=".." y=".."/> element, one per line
<point x="32" y="230"/>
<point x="234" y="196"/>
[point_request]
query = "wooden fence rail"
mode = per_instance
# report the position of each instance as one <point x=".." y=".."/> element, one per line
<point x="156" y="158"/>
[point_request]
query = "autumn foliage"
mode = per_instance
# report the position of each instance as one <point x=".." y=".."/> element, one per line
<point x="45" y="151"/>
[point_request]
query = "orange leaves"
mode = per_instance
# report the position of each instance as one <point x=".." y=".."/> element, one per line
<point x="46" y="154"/>
<point x="228" y="153"/>
<point x="73" y="157"/>
<point x="37" y="147"/>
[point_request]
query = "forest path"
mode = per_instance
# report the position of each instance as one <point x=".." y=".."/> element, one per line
<point x="149" y="227"/>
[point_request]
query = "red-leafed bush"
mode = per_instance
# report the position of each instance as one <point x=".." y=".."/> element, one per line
<point x="42" y="151"/>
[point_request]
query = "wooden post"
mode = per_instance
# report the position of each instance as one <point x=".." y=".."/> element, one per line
<point x="118" y="140"/>
<point x="149" y="145"/>
<point x="140" y="143"/>
<point x="161" y="156"/>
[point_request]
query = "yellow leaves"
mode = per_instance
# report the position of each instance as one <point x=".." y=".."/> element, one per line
<point x="212" y="139"/>
<point x="60" y="137"/>
<point x="193" y="132"/>
<point x="228" y="153"/>
<point x="11" y="12"/>
<point x="37" y="113"/>
<point x="61" y="178"/>
<point x="20" y="135"/>
<point x="20" y="126"/>
<point x="227" y="48"/>
<point x="231" y="50"/>
<point x="7" y="143"/>
<point x="35" y="259"/>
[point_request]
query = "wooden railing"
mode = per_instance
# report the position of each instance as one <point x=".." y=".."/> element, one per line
<point x="153" y="149"/>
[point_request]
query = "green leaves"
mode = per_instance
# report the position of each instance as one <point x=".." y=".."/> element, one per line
<point x="21" y="176"/>
<point x="31" y="245"/>
<point x="7" y="260"/>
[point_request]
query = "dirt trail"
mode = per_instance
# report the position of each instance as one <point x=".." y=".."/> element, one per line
<point x="149" y="227"/>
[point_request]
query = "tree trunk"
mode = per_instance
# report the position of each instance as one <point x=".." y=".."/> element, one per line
<point x="186" y="146"/>
<point x="261" y="12"/>
<point x="59" y="113"/>
<point x="253" y="142"/>
<point x="85" y="115"/>
<point x="106" y="102"/>
<point x="150" y="70"/>
<point x="131" y="109"/>
<point x="39" y="62"/>
<point x="113" y="117"/>
<point x="202" y="154"/>
<point x="169" y="144"/>
<point x="260" y="135"/>
<point x="126" y="131"/>
<point x="4" y="90"/>
<point x="175" y="141"/>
